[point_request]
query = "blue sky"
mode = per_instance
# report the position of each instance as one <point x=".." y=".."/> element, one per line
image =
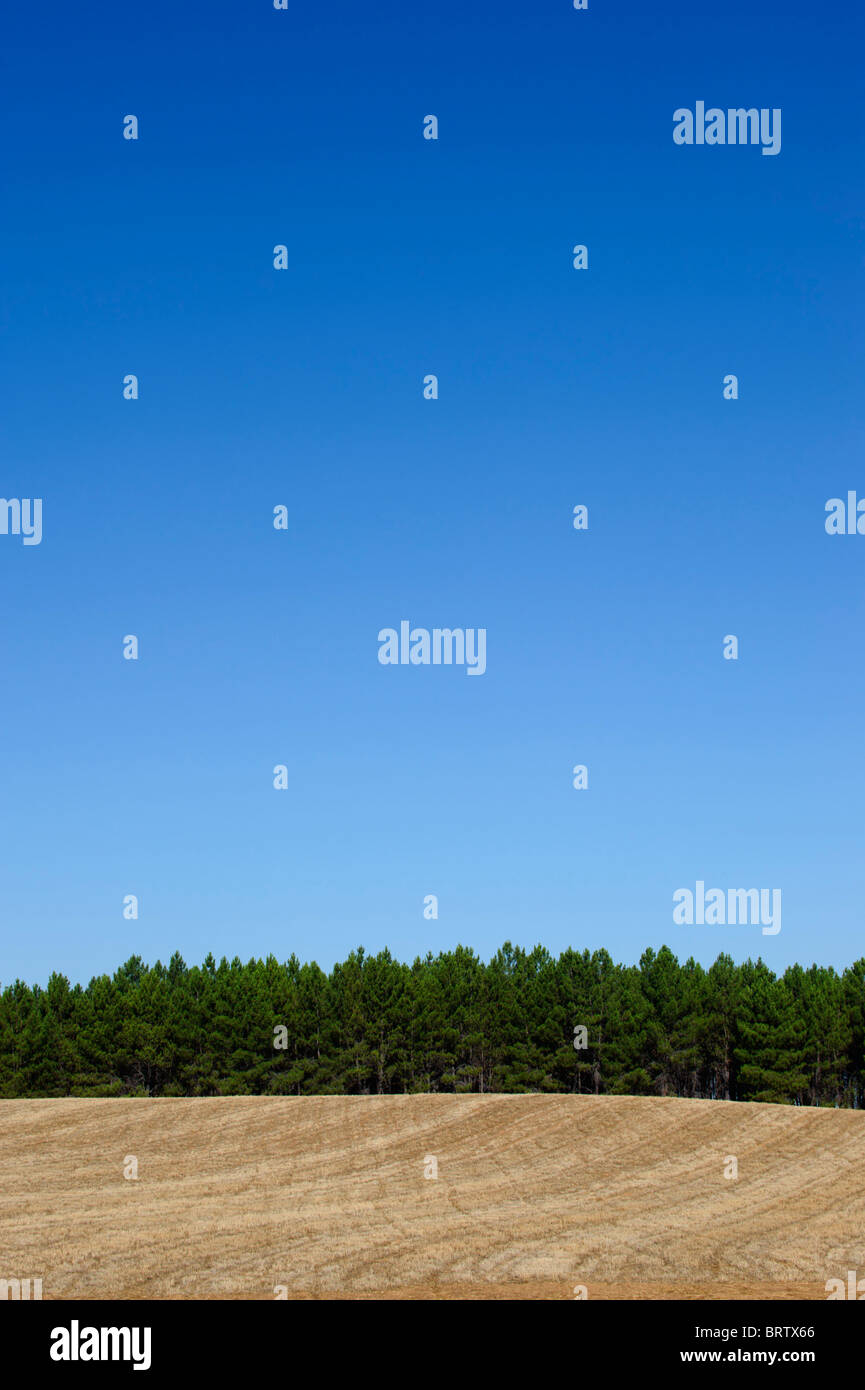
<point x="304" y="388"/>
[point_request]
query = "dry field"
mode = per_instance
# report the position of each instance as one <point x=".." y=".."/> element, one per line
<point x="327" y="1197"/>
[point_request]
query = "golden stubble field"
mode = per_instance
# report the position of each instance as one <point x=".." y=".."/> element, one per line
<point x="326" y="1197"/>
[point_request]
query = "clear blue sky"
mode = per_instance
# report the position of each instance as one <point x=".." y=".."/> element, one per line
<point x="304" y="387"/>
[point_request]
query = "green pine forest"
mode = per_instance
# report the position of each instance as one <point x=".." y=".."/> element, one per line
<point x="446" y="1023"/>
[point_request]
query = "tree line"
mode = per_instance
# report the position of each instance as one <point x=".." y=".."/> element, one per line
<point x="446" y="1023"/>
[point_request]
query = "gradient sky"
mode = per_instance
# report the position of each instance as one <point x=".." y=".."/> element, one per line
<point x="304" y="388"/>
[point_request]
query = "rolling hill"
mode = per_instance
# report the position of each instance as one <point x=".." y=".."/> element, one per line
<point x="327" y="1197"/>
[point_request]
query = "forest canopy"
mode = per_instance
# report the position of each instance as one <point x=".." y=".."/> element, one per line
<point x="446" y="1023"/>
